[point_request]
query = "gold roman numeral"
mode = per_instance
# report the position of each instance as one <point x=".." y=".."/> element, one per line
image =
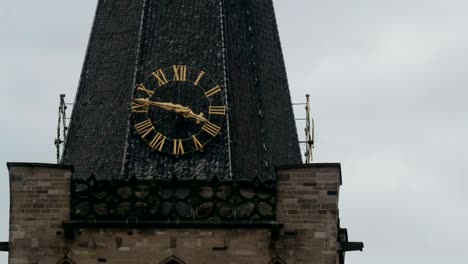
<point x="159" y="75"/>
<point x="178" y="147"/>
<point x="213" y="91"/>
<point x="211" y="128"/>
<point x="138" y="107"/>
<point x="158" y="142"/>
<point x="144" y="128"/>
<point x="200" y="77"/>
<point x="180" y="73"/>
<point x="142" y="88"/>
<point x="217" y="110"/>
<point x="197" y="143"/>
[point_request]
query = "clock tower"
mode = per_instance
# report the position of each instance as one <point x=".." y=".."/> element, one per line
<point x="182" y="148"/>
<point x="186" y="89"/>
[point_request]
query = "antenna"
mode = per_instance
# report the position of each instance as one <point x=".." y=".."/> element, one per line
<point x="309" y="131"/>
<point x="62" y="129"/>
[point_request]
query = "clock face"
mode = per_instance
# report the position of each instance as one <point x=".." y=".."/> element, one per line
<point x="178" y="110"/>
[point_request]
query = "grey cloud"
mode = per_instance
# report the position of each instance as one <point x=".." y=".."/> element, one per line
<point x="388" y="85"/>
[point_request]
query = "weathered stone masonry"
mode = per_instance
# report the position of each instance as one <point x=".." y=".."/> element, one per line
<point x="306" y="213"/>
<point x="39" y="205"/>
<point x="246" y="198"/>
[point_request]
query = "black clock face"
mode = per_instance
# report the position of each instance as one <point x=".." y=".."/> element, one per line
<point x="178" y="110"/>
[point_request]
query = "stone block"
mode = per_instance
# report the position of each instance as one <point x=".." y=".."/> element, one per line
<point x="18" y="261"/>
<point x="18" y="234"/>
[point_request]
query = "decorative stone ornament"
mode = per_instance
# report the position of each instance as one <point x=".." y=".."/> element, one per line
<point x="65" y="260"/>
<point x="172" y="260"/>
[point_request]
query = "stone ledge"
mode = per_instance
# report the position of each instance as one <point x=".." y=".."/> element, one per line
<point x="39" y="165"/>
<point x="311" y="165"/>
<point x="73" y="226"/>
<point x="110" y="224"/>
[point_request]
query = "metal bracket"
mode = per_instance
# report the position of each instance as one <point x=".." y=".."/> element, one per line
<point x="309" y="131"/>
<point x="62" y="128"/>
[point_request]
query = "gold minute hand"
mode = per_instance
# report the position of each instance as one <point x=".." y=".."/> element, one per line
<point x="176" y="108"/>
<point x="168" y="106"/>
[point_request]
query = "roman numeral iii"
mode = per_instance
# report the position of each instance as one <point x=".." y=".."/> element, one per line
<point x="180" y="72"/>
<point x="217" y="110"/>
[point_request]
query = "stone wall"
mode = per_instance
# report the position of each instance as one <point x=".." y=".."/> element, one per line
<point x="307" y="208"/>
<point x="39" y="205"/>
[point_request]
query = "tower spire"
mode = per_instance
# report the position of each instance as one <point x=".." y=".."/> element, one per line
<point x="223" y="61"/>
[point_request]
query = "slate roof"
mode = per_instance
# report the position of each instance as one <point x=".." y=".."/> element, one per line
<point x="236" y="41"/>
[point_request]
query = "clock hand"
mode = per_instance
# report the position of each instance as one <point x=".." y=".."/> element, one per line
<point x="199" y="118"/>
<point x="165" y="106"/>
<point x="176" y="108"/>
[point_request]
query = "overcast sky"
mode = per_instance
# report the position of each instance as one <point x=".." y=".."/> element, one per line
<point x="388" y="83"/>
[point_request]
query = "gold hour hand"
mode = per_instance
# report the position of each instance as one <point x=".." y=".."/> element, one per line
<point x="176" y="108"/>
<point x="199" y="118"/>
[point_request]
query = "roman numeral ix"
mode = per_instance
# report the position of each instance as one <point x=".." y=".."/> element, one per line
<point x="138" y="107"/>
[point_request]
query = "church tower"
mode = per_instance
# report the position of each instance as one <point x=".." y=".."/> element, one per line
<point x="182" y="148"/>
<point x="219" y="60"/>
